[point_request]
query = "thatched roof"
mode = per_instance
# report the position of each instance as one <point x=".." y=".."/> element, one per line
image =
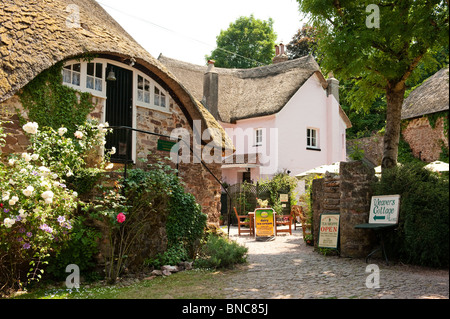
<point x="247" y="93"/>
<point x="430" y="97"/>
<point x="34" y="36"/>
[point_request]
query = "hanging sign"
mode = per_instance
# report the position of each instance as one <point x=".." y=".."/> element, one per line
<point x="165" y="145"/>
<point x="264" y="222"/>
<point x="329" y="230"/>
<point x="384" y="209"/>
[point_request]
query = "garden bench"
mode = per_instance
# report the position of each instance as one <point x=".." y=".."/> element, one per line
<point x="383" y="218"/>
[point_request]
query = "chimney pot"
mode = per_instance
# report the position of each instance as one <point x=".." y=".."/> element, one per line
<point x="277" y="50"/>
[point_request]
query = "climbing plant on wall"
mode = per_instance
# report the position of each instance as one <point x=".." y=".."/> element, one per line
<point x="50" y="103"/>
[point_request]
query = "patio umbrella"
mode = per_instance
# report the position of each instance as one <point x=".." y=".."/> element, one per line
<point x="332" y="168"/>
<point x="437" y="166"/>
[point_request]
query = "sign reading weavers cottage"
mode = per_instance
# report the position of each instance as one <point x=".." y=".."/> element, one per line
<point x="384" y="209"/>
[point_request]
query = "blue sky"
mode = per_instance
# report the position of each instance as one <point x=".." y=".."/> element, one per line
<point x="187" y="29"/>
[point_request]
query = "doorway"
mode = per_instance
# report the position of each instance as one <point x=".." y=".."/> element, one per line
<point x="119" y="112"/>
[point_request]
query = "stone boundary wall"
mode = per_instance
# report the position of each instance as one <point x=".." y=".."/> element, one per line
<point x="349" y="194"/>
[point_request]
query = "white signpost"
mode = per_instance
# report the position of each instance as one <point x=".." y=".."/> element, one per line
<point x="384" y="209"/>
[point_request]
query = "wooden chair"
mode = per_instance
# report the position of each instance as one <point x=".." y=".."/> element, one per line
<point x="244" y="223"/>
<point x="306" y="225"/>
<point x="283" y="220"/>
<point x="295" y="212"/>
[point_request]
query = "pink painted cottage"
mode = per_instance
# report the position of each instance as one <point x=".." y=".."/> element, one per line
<point x="281" y="117"/>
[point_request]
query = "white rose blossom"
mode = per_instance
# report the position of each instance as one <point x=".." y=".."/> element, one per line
<point x="78" y="134"/>
<point x="5" y="196"/>
<point x="28" y="191"/>
<point x="47" y="196"/>
<point x="31" y="127"/>
<point x="26" y="157"/>
<point x="62" y="131"/>
<point x="8" y="222"/>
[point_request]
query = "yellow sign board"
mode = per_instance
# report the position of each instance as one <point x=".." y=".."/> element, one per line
<point x="264" y="222"/>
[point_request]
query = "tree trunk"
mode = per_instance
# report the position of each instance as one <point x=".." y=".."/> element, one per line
<point x="394" y="99"/>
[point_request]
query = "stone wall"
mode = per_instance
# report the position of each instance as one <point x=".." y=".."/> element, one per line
<point x="327" y="200"/>
<point x="348" y="194"/>
<point x="356" y="193"/>
<point x="16" y="140"/>
<point x="425" y="142"/>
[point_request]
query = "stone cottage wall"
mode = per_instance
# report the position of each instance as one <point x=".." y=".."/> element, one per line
<point x="425" y="142"/>
<point x="198" y="180"/>
<point x="16" y="140"/>
<point x="348" y="194"/>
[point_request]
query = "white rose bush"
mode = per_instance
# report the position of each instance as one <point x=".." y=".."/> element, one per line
<point x="36" y="206"/>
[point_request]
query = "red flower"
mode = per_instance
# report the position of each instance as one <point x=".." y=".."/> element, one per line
<point x="121" y="217"/>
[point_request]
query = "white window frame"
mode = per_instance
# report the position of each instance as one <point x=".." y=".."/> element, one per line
<point x="258" y="137"/>
<point x="152" y="104"/>
<point x="72" y="72"/>
<point x="83" y="77"/>
<point x="312" y="138"/>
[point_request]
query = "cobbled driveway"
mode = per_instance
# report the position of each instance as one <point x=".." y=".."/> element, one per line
<point x="287" y="268"/>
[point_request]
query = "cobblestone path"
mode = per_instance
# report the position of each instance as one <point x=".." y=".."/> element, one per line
<point x="287" y="268"/>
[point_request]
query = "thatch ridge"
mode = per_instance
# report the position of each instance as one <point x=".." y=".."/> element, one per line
<point x="247" y="93"/>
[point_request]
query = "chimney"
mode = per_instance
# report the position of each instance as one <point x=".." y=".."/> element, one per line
<point x="211" y="90"/>
<point x="280" y="54"/>
<point x="333" y="86"/>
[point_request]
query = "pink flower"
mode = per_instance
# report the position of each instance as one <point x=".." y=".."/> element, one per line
<point x="121" y="217"/>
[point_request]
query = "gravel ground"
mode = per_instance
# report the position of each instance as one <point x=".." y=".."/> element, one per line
<point x="287" y="268"/>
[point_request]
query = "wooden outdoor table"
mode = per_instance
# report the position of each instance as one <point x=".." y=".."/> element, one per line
<point x="379" y="229"/>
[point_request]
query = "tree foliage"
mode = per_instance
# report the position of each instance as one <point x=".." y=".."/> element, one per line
<point x="247" y="43"/>
<point x="378" y="45"/>
<point x="303" y="43"/>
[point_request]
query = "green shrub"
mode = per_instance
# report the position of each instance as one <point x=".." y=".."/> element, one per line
<point x="80" y="250"/>
<point x="220" y="252"/>
<point x="172" y="256"/>
<point x="422" y="237"/>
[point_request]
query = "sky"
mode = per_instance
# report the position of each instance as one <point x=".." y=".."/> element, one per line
<point x="186" y="30"/>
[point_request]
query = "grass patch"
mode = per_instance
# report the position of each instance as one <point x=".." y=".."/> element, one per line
<point x="191" y="284"/>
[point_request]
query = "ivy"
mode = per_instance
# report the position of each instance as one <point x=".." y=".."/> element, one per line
<point x="51" y="103"/>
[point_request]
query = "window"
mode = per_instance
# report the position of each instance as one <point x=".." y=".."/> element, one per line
<point x="160" y="98"/>
<point x="85" y="76"/>
<point x="143" y="90"/>
<point x="258" y="137"/>
<point x="72" y="74"/>
<point x="312" y="138"/>
<point x="94" y="76"/>
<point x="149" y="94"/>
